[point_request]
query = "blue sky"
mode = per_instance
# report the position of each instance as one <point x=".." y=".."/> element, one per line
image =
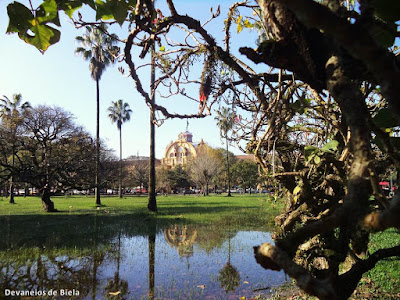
<point x="61" y="78"/>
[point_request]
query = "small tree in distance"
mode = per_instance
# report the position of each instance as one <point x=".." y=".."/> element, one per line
<point x="204" y="168"/>
<point x="119" y="112"/>
<point x="138" y="174"/>
<point x="11" y="114"/>
<point x="245" y="174"/>
<point x="226" y="120"/>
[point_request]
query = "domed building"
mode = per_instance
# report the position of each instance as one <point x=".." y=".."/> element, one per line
<point x="182" y="150"/>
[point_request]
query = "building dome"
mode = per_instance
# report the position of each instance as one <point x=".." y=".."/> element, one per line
<point x="188" y="136"/>
<point x="180" y="151"/>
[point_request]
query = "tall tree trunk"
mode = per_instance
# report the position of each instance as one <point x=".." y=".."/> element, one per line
<point x="47" y="204"/>
<point x="11" y="191"/>
<point x="152" y="205"/>
<point x="97" y="176"/>
<point x="227" y="167"/>
<point x="120" y="164"/>
<point x="12" y="201"/>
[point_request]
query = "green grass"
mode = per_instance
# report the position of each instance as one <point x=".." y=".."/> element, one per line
<point x="193" y="209"/>
<point x="385" y="277"/>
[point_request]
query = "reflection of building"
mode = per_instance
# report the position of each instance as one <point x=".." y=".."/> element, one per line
<point x="181" y="151"/>
<point x="182" y="238"/>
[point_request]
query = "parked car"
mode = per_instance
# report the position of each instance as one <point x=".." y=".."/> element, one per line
<point x="188" y="192"/>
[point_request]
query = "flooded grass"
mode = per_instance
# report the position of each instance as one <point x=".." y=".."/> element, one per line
<point x="194" y="248"/>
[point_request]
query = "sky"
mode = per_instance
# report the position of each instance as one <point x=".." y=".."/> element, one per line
<point x="61" y="78"/>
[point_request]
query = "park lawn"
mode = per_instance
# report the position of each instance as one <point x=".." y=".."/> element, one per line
<point x="256" y="209"/>
<point x="384" y="280"/>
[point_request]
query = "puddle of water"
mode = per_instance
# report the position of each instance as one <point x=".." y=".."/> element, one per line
<point x="178" y="262"/>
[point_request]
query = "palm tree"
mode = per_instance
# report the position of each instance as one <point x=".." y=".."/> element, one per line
<point x="226" y="120"/>
<point x="119" y="112"/>
<point x="11" y="111"/>
<point x="99" y="48"/>
<point x="152" y="203"/>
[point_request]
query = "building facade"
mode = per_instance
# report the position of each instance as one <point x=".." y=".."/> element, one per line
<point x="181" y="151"/>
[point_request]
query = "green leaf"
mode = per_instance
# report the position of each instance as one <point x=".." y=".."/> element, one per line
<point x="317" y="159"/>
<point x="48" y="12"/>
<point x="309" y="151"/>
<point x="117" y="10"/>
<point x="103" y="10"/>
<point x="386" y="118"/>
<point x="20" y="18"/>
<point x="162" y="49"/>
<point x="120" y="11"/>
<point x="330" y="146"/>
<point x="70" y="6"/>
<point x="44" y="37"/>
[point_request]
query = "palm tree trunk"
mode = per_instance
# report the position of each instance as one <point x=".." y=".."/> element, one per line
<point x="227" y="168"/>
<point x="120" y="163"/>
<point x="152" y="205"/>
<point x="12" y="201"/>
<point x="97" y="176"/>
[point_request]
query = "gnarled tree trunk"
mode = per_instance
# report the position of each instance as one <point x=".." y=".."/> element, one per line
<point x="47" y="204"/>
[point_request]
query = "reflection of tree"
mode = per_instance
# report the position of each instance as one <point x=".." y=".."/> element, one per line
<point x="229" y="277"/>
<point x="182" y="238"/>
<point x="117" y="286"/>
<point x="152" y="258"/>
<point x="43" y="270"/>
<point x="98" y="256"/>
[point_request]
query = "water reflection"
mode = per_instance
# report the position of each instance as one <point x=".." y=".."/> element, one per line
<point x="229" y="277"/>
<point x="176" y="262"/>
<point x="152" y="263"/>
<point x="181" y="237"/>
<point x="116" y="286"/>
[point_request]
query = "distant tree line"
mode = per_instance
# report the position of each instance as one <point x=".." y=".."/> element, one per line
<point x="208" y="172"/>
<point x="43" y="149"/>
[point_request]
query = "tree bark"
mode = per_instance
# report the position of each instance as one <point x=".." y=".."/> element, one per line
<point x="11" y="191"/>
<point x="152" y="204"/>
<point x="120" y="164"/>
<point x="12" y="201"/>
<point x="97" y="176"/>
<point x="227" y="166"/>
<point x="47" y="204"/>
